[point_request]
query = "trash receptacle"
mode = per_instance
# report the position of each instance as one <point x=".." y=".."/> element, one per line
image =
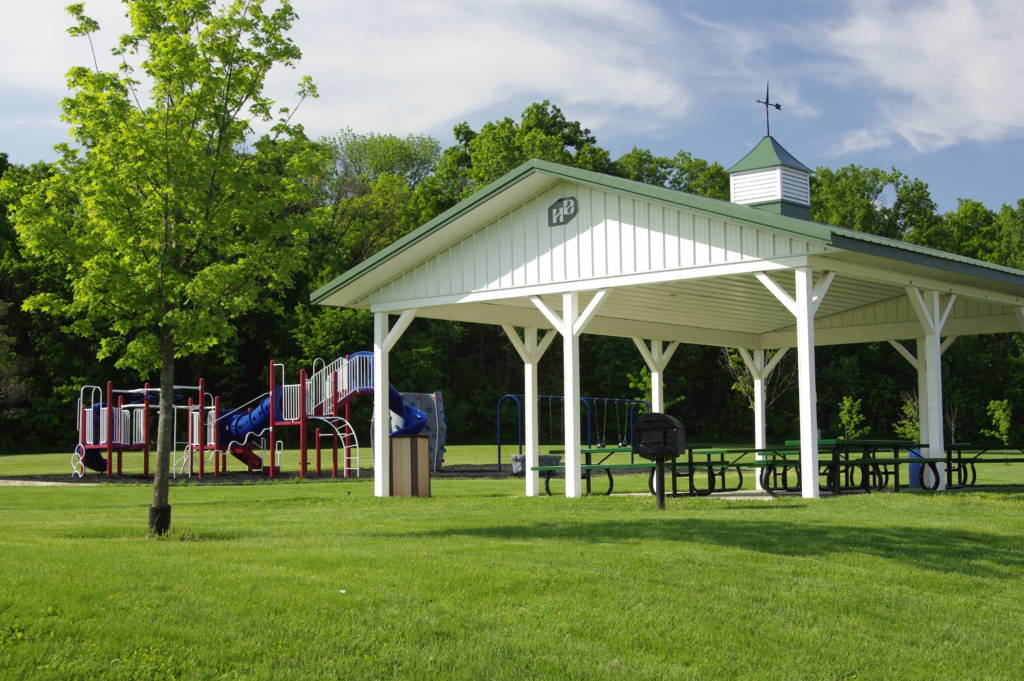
<point x="915" y="469"/>
<point x="410" y="466"/>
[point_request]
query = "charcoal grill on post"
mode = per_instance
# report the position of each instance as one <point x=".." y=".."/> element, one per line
<point x="658" y="437"/>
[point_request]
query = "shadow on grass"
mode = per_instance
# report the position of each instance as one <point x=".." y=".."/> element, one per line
<point x="951" y="551"/>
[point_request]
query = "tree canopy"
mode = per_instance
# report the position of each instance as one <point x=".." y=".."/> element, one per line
<point x="169" y="214"/>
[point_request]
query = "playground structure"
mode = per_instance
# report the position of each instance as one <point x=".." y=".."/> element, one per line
<point x="202" y="430"/>
<point x="626" y="411"/>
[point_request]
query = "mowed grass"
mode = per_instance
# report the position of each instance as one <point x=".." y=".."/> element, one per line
<point x="302" y="580"/>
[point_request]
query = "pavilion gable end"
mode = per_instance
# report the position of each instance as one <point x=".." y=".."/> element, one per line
<point x="604" y="234"/>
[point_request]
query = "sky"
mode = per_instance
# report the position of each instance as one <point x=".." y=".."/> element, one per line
<point x="933" y="88"/>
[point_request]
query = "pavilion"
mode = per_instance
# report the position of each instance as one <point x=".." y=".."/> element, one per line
<point x="553" y="250"/>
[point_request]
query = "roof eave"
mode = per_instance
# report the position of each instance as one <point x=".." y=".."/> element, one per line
<point x="898" y="251"/>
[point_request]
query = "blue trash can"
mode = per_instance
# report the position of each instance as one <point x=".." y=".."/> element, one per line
<point x="915" y="469"/>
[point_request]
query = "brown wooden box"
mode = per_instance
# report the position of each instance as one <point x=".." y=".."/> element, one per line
<point x="410" y="466"/>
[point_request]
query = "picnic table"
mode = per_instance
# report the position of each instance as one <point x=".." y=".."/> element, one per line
<point x="588" y="466"/>
<point x="863" y="465"/>
<point x="962" y="462"/>
<point x="715" y="463"/>
<point x="860" y="465"/>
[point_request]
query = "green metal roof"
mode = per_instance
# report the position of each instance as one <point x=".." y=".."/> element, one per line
<point x="768" y="154"/>
<point x="838" y="237"/>
<point x="863" y="242"/>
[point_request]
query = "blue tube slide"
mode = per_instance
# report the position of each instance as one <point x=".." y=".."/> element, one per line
<point x="413" y="419"/>
<point x="236" y="426"/>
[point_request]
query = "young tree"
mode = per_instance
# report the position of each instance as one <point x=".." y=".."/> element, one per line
<point x="851" y="419"/>
<point x="909" y="423"/>
<point x="181" y="218"/>
<point x="1000" y="413"/>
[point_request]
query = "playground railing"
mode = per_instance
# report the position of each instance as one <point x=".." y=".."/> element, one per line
<point x="357" y="375"/>
<point x="209" y="426"/>
<point x="126" y="430"/>
<point x="341" y="379"/>
<point x="229" y="412"/>
<point x="319" y="386"/>
<point x="138" y="413"/>
<point x="290" y="402"/>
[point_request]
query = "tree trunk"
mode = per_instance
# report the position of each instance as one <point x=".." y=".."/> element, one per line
<point x="160" y="511"/>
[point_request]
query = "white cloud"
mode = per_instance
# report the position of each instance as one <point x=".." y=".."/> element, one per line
<point x="861" y="140"/>
<point x="37" y="54"/>
<point x="417" y="65"/>
<point x="954" y="69"/>
<point x="404" y="66"/>
<point x="38" y="51"/>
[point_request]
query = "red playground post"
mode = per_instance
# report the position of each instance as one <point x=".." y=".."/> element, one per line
<point x="201" y="432"/>
<point x="302" y="423"/>
<point x="110" y="428"/>
<point x="273" y="421"/>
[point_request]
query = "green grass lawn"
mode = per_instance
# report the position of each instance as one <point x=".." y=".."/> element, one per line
<point x="296" y="580"/>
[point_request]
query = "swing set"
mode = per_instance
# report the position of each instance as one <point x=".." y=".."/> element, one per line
<point x="595" y="415"/>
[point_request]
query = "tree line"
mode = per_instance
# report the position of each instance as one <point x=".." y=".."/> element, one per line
<point x="363" y="191"/>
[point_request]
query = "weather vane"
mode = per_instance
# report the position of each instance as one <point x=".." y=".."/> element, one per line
<point x="768" y="104"/>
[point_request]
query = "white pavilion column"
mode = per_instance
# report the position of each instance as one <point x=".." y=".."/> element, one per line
<point x="933" y="315"/>
<point x="571" y="396"/>
<point x="922" y="394"/>
<point x="760" y="367"/>
<point x="936" y="432"/>
<point x="920" y="365"/>
<point x="530" y="351"/>
<point x="384" y="340"/>
<point x="808" y="298"/>
<point x="657" y="357"/>
<point x="806" y="378"/>
<point x="570" y="325"/>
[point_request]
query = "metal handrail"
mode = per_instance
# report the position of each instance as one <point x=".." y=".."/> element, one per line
<point x="235" y="410"/>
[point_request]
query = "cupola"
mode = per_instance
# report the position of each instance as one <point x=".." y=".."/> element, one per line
<point x="771" y="178"/>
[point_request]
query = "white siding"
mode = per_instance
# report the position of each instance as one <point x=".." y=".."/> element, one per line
<point x="771" y="184"/>
<point x="796" y="186"/>
<point x="756" y="186"/>
<point x="612" y="234"/>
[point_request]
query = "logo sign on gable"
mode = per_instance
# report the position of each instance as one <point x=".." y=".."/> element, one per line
<point x="562" y="211"/>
